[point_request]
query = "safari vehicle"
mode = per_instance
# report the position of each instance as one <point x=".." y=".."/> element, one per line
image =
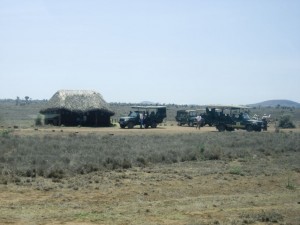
<point x="209" y="116"/>
<point x="153" y="115"/>
<point x="233" y="117"/>
<point x="186" y="117"/>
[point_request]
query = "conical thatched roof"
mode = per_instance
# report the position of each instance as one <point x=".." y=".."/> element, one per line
<point x="77" y="101"/>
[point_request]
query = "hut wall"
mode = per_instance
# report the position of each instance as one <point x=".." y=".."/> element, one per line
<point x="98" y="118"/>
<point x="69" y="118"/>
<point x="89" y="119"/>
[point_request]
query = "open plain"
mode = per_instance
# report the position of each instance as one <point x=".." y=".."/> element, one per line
<point x="169" y="175"/>
<point x="242" y="186"/>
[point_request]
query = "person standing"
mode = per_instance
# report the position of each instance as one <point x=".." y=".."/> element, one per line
<point x="141" y="120"/>
<point x="198" y="118"/>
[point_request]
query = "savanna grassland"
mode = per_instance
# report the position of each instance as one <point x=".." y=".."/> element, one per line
<point x="168" y="175"/>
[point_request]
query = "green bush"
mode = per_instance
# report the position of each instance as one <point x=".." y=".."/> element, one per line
<point x="285" y="122"/>
<point x="38" y="120"/>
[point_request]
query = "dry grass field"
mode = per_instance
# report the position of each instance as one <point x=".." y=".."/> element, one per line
<point x="169" y="175"/>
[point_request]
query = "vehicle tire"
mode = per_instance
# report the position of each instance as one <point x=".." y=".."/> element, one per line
<point x="130" y="125"/>
<point x="122" y="126"/>
<point x="191" y="124"/>
<point x="153" y="125"/>
<point x="229" y="129"/>
<point x="210" y="124"/>
<point x="249" y="128"/>
<point x="221" y="127"/>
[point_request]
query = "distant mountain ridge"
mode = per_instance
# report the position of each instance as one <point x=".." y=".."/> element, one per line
<point x="274" y="103"/>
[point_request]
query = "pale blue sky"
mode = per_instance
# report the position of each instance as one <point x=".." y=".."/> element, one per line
<point x="167" y="51"/>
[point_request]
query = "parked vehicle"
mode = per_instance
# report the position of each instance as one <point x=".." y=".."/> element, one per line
<point x="152" y="115"/>
<point x="186" y="117"/>
<point x="233" y="117"/>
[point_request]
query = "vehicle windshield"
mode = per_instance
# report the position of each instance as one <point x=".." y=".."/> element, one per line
<point x="179" y="113"/>
<point x="246" y="116"/>
<point x="133" y="114"/>
<point x="193" y="113"/>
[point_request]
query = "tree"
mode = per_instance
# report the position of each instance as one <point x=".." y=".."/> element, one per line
<point x="26" y="99"/>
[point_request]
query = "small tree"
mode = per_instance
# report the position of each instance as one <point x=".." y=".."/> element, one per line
<point x="285" y="122"/>
<point x="26" y="99"/>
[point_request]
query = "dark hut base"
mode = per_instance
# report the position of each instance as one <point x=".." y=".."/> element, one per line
<point x="87" y="119"/>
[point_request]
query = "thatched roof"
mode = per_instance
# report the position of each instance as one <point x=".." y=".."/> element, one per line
<point x="77" y="101"/>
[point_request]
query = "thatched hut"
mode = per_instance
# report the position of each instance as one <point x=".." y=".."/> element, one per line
<point x="74" y="108"/>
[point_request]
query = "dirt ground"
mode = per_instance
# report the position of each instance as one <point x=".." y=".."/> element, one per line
<point x="180" y="193"/>
<point x="170" y="128"/>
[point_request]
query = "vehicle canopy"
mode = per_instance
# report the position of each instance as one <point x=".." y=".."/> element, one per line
<point x="232" y="107"/>
<point x="149" y="107"/>
<point x="159" y="110"/>
<point x="226" y="109"/>
<point x="191" y="112"/>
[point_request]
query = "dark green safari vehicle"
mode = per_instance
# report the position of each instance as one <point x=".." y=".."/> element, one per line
<point x="233" y="117"/>
<point x="152" y="116"/>
<point x="186" y="117"/>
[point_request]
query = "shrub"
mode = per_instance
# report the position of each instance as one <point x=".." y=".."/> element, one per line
<point x="212" y="154"/>
<point x="5" y="133"/>
<point x="236" y="171"/>
<point x="141" y="161"/>
<point x="56" y="173"/>
<point x="285" y="122"/>
<point x="126" y="164"/>
<point x="38" y="120"/>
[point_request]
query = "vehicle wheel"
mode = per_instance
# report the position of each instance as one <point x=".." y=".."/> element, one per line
<point x="122" y="126"/>
<point x="249" y="128"/>
<point x="130" y="125"/>
<point x="210" y="124"/>
<point x="221" y="127"/>
<point x="258" y="130"/>
<point x="230" y="129"/>
<point x="191" y="124"/>
<point x="153" y="125"/>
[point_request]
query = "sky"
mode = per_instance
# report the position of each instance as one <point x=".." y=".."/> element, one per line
<point x="165" y="51"/>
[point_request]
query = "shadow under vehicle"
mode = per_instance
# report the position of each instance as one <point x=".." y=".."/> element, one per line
<point x="232" y="117"/>
<point x="153" y="115"/>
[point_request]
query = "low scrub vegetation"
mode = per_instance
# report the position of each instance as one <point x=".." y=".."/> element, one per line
<point x="286" y="122"/>
<point x="58" y="156"/>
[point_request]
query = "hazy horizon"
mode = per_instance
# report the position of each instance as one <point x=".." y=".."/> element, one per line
<point x="171" y="51"/>
<point x="149" y="102"/>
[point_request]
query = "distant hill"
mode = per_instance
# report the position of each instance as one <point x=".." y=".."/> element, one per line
<point x="147" y="103"/>
<point x="274" y="103"/>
